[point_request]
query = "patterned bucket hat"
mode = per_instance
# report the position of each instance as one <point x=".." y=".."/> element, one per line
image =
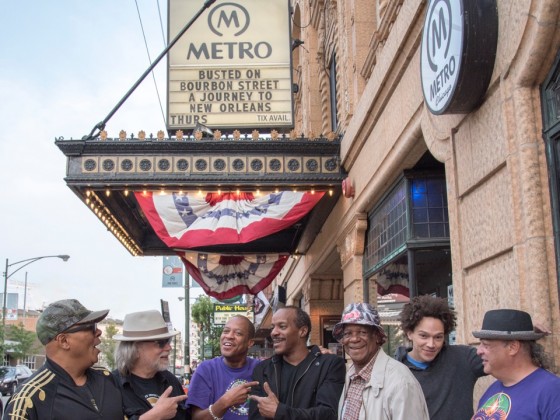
<point x="361" y="314"/>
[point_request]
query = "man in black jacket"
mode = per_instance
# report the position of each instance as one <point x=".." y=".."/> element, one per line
<point x="68" y="386"/>
<point x="297" y="382"/>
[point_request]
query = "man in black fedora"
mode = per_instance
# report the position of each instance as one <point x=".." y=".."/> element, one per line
<point x="509" y="352"/>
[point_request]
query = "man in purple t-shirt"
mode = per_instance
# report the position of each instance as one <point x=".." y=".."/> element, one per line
<point x="220" y="387"/>
<point x="524" y="388"/>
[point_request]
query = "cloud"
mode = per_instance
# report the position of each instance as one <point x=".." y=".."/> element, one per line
<point x="63" y="72"/>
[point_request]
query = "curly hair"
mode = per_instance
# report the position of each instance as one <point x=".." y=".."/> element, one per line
<point x="427" y="306"/>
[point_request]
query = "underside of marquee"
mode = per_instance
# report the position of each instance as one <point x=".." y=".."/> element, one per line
<point x="109" y="174"/>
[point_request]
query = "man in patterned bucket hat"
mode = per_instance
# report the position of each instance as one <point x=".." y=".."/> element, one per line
<point x="376" y="385"/>
<point x="68" y="386"/>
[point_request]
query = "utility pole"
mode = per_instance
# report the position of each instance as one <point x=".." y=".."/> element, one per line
<point x="25" y="299"/>
<point x="187" y="321"/>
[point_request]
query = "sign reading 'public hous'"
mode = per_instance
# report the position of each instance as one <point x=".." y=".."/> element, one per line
<point x="232" y="68"/>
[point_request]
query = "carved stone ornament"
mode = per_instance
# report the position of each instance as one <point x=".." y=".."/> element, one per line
<point x="255" y="134"/>
<point x="274" y="135"/>
<point x="142" y="135"/>
<point x="103" y="135"/>
<point x="122" y="135"/>
<point x="236" y="134"/>
<point x="160" y="135"/>
<point x="293" y="134"/>
<point x="179" y="134"/>
<point x="198" y="134"/>
<point x="352" y="242"/>
<point x="217" y="135"/>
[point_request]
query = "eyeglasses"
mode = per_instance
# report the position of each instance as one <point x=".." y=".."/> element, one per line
<point x="92" y="326"/>
<point x="161" y="343"/>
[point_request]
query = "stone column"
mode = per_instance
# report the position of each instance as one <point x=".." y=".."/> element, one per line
<point x="350" y="245"/>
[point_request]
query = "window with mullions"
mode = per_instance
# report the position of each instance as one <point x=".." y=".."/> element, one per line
<point x="429" y="208"/>
<point x="415" y="209"/>
<point x="387" y="230"/>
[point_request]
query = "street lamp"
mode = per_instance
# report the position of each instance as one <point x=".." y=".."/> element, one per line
<point x="7" y="276"/>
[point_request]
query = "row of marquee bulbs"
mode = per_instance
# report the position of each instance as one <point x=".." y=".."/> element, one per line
<point x="113" y="225"/>
<point x="201" y="193"/>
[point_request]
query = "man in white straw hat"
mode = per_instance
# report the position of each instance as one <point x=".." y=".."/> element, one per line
<point x="524" y="388"/>
<point x="149" y="390"/>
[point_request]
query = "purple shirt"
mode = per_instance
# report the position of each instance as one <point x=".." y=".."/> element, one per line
<point x="213" y="378"/>
<point x="535" y="397"/>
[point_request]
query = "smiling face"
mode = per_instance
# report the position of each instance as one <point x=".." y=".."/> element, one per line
<point x="287" y="338"/>
<point x="427" y="339"/>
<point x="152" y="357"/>
<point x="361" y="343"/>
<point x="235" y="341"/>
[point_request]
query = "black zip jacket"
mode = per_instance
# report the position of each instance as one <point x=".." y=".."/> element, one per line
<point x="317" y="388"/>
<point x="51" y="393"/>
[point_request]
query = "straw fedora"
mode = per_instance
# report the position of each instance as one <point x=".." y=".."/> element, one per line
<point x="508" y="324"/>
<point x="144" y="326"/>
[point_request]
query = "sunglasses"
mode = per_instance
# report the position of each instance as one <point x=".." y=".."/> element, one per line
<point x="92" y="327"/>
<point x="161" y="343"/>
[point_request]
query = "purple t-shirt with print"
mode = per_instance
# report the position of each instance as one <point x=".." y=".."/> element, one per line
<point x="533" y="398"/>
<point x="213" y="378"/>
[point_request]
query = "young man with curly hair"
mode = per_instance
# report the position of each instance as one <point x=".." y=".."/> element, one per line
<point x="446" y="373"/>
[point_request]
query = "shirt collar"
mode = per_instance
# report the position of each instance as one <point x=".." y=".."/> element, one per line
<point x="365" y="372"/>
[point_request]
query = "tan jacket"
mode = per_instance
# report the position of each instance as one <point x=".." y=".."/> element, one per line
<point x="393" y="393"/>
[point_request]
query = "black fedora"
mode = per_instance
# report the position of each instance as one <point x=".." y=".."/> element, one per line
<point x="507" y="324"/>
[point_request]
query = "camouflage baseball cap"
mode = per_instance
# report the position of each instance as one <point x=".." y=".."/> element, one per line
<point x="63" y="314"/>
<point x="361" y="314"/>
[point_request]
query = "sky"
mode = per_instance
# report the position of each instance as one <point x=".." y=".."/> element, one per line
<point x="64" y="65"/>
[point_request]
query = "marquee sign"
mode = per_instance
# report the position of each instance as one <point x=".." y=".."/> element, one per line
<point x="232" y="69"/>
<point x="459" y="42"/>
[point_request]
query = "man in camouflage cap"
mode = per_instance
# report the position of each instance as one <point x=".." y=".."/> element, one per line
<point x="67" y="386"/>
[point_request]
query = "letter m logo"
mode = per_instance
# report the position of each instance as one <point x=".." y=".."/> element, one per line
<point x="223" y="18"/>
<point x="228" y="19"/>
<point x="439" y="31"/>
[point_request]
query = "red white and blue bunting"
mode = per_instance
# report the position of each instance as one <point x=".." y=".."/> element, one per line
<point x="224" y="276"/>
<point x="189" y="220"/>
